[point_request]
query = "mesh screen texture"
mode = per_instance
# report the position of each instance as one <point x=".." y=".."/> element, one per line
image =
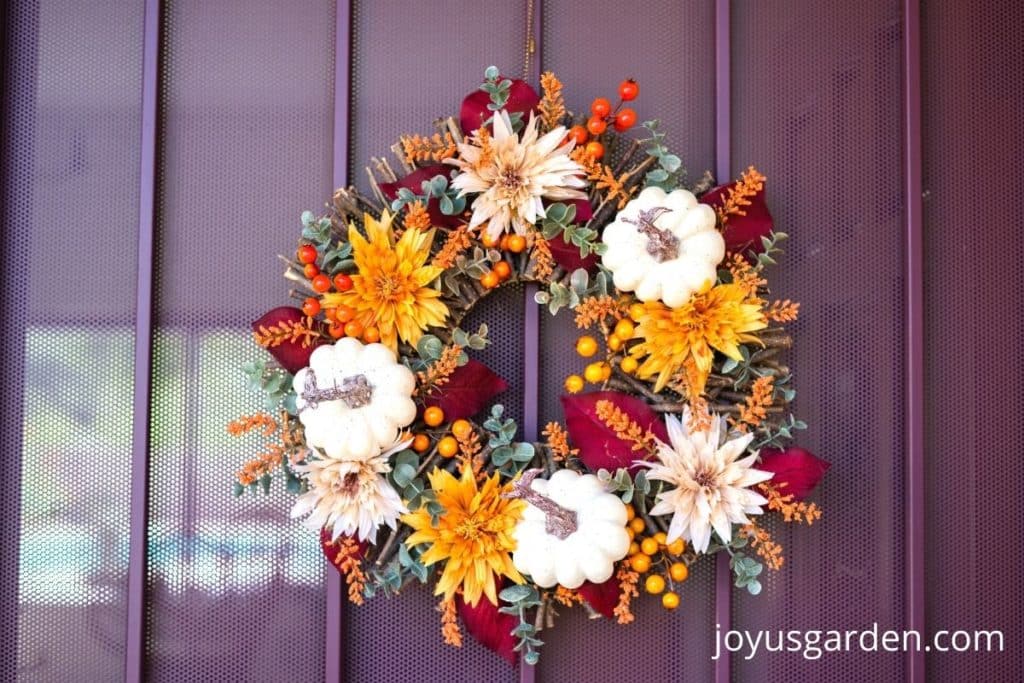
<point x="69" y="218"/>
<point x="246" y="111"/>
<point x="816" y="106"/>
<point x="973" y="256"/>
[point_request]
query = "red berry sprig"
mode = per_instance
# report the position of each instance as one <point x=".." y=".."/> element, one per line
<point x="601" y="114"/>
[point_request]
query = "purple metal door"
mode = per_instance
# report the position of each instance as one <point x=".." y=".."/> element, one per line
<point x="157" y="154"/>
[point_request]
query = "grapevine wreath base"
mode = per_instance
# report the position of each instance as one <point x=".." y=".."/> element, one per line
<point x="385" y="426"/>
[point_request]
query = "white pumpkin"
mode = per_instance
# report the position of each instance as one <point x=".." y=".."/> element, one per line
<point x="353" y="399"/>
<point x="663" y="246"/>
<point x="553" y="554"/>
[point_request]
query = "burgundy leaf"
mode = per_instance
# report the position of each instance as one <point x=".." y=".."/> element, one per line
<point x="414" y="183"/>
<point x="603" y="597"/>
<point x="568" y="256"/>
<point x="599" y="446"/>
<point x="331" y="549"/>
<point x="798" y="469"/>
<point x="742" y="233"/>
<point x="292" y="356"/>
<point x="489" y="626"/>
<point x="521" y="98"/>
<point x="468" y="391"/>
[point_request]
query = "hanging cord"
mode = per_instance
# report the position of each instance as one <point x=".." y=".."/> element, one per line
<point x="531" y="44"/>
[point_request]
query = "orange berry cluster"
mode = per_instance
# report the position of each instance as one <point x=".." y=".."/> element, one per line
<point x="447" y="445"/>
<point x="602" y="114"/>
<point x="600" y="371"/>
<point x="502" y="270"/>
<point x="341" y="320"/>
<point x="652" y="552"/>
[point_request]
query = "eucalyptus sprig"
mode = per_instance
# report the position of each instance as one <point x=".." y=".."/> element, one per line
<point x="438" y="187"/>
<point x="509" y="457"/>
<point x="498" y="89"/>
<point x="669" y="173"/>
<point x="559" y="220"/>
<point x="520" y="599"/>
<point x="559" y="296"/>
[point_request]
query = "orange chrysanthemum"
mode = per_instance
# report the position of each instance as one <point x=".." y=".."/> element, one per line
<point x="391" y="288"/>
<point x="473" y="535"/>
<point x="685" y="338"/>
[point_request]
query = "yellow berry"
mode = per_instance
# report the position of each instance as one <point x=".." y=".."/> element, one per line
<point x="676" y="547"/>
<point x="636" y="311"/>
<point x="624" y="329"/>
<point x="629" y="365"/>
<point x="594" y="373"/>
<point x="614" y="343"/>
<point x="649" y="546"/>
<point x="574" y="384"/>
<point x="678" y="571"/>
<point x="640" y="563"/>
<point x="632" y="534"/>
<point x="660" y="537"/>
<point x="670" y="600"/>
<point x="586" y="346"/>
<point x="462" y="429"/>
<point x="630" y="512"/>
<point x="637" y="524"/>
<point x="433" y="416"/>
<point x="448" y="447"/>
<point x="606" y="371"/>
<point x="634" y="548"/>
<point x="654" y="584"/>
<point x="421" y="443"/>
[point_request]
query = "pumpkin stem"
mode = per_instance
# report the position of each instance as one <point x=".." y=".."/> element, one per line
<point x="558" y="521"/>
<point x="661" y="244"/>
<point x="355" y="391"/>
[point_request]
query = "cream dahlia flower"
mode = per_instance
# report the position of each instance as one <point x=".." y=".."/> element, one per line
<point x="511" y="176"/>
<point x="707" y="482"/>
<point x="350" y="497"/>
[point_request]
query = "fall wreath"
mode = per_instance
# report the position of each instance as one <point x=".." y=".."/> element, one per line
<point x="384" y="425"/>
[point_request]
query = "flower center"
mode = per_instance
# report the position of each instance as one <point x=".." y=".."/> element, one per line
<point x="354" y="391"/>
<point x="705" y="479"/>
<point x="469" y="528"/>
<point x="510" y="180"/>
<point x="661" y="244"/>
<point x="349" y="484"/>
<point x="389" y="287"/>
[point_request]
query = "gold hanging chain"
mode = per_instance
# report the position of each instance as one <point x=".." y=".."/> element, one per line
<point x="531" y="44"/>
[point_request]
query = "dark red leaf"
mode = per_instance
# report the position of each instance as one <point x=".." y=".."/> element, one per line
<point x="521" y="98"/>
<point x="489" y="626"/>
<point x="743" y="233"/>
<point x="603" y="597"/>
<point x="330" y="549"/>
<point x="414" y="182"/>
<point x="468" y="391"/>
<point x="568" y="255"/>
<point x="799" y="469"/>
<point x="599" y="446"/>
<point x="292" y="356"/>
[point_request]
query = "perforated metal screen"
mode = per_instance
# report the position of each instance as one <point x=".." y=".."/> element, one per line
<point x="234" y="589"/>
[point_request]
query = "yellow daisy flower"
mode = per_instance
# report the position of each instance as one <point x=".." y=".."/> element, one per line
<point x="473" y="535"/>
<point x="391" y="288"/>
<point x="685" y="338"/>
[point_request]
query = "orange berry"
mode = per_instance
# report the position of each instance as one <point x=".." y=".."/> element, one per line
<point x="321" y="283"/>
<point x="625" y="119"/>
<point x="310" y="270"/>
<point x="595" y="149"/>
<point x="343" y="313"/>
<point x="654" y="584"/>
<point x="371" y="335"/>
<point x="586" y="346"/>
<point x="640" y="563"/>
<point x="578" y="134"/>
<point x="306" y="254"/>
<point x="574" y="384"/>
<point x="648" y="546"/>
<point x="628" y="90"/>
<point x="660" y="538"/>
<point x="516" y="243"/>
<point x="629" y="364"/>
<point x="342" y="282"/>
<point x="488" y="241"/>
<point x="678" y="571"/>
<point x="462" y="429"/>
<point x="614" y="342"/>
<point x="670" y="600"/>
<point x="601" y="107"/>
<point x="448" y="447"/>
<point x="624" y="329"/>
<point x="503" y="243"/>
<point x="631" y="533"/>
<point x="636" y="311"/>
<point x="594" y="373"/>
<point x="676" y="547"/>
<point x="336" y="330"/>
<point x="421" y="443"/>
<point x="630" y="512"/>
<point x="433" y="416"/>
<point x="633" y="548"/>
<point x="354" y="328"/>
<point x="637" y="524"/>
<point x="331" y="314"/>
<point x="490" y="279"/>
<point x="503" y="269"/>
<point x="311" y="306"/>
<point x="596" y="125"/>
